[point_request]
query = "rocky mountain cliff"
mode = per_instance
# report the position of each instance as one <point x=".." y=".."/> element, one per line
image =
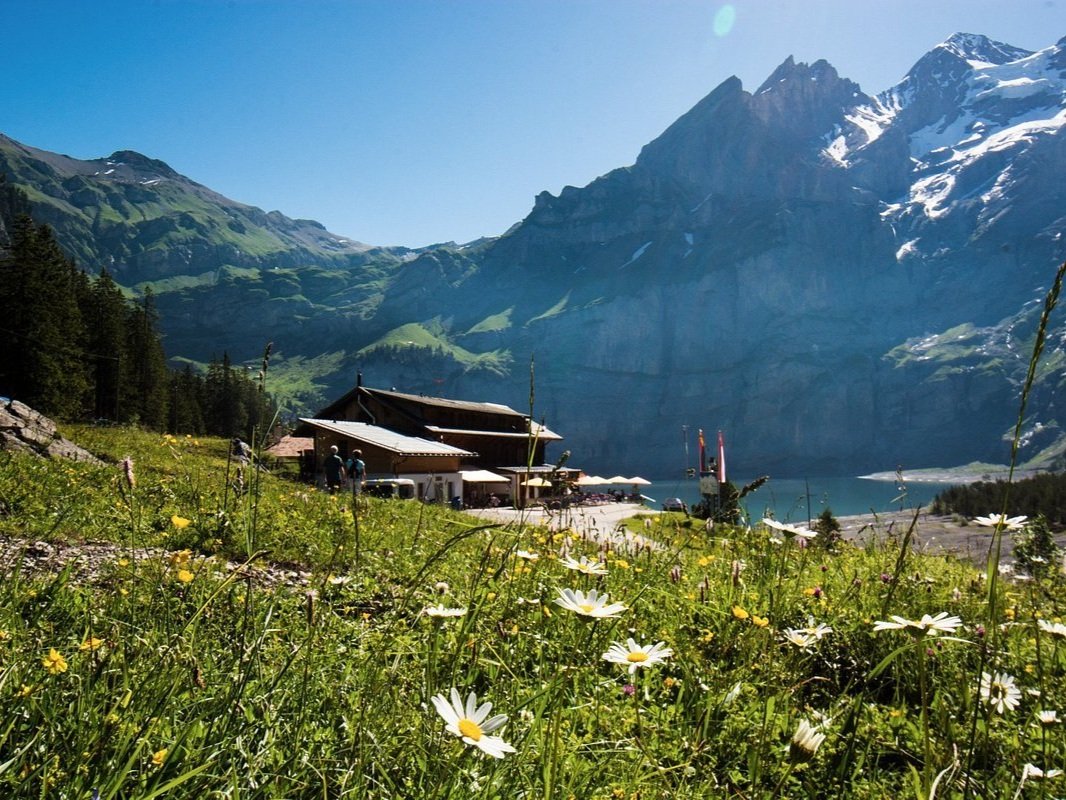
<point x="841" y="282"/>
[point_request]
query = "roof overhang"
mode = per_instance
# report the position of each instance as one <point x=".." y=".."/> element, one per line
<point x="482" y="476"/>
<point x="387" y="440"/>
<point x="543" y="435"/>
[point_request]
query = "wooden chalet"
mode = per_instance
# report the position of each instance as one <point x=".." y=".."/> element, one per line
<point x="497" y="436"/>
<point x="450" y="447"/>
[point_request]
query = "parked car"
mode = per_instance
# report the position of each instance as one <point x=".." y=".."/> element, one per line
<point x="399" y="488"/>
<point x="675" y="504"/>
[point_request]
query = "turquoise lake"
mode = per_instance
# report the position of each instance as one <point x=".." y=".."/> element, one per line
<point x="788" y="498"/>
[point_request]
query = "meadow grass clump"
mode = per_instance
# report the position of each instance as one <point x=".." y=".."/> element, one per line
<point x="232" y="643"/>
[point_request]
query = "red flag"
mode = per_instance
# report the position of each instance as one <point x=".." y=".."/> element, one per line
<point x="721" y="458"/>
<point x="703" y="453"/>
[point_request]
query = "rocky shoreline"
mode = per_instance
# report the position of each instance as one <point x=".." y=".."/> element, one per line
<point x="972" y="473"/>
<point x="933" y="534"/>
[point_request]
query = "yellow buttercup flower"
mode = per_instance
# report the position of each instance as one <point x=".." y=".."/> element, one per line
<point x="740" y="613"/>
<point x="759" y="622"/>
<point x="185" y="576"/>
<point x="180" y="522"/>
<point x="158" y="757"/>
<point x="54" y="661"/>
<point x="90" y="644"/>
<point x="179" y="558"/>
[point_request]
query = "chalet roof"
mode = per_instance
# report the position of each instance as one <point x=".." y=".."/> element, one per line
<point x="542" y="433"/>
<point x="386" y="439"/>
<point x="537" y="469"/>
<point x="443" y="402"/>
<point x="290" y="446"/>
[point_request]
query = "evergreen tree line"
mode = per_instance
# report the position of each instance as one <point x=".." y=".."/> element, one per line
<point x="1041" y="495"/>
<point x="77" y="349"/>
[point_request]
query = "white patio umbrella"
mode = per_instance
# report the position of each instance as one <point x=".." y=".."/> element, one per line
<point x="638" y="481"/>
<point x="619" y="479"/>
<point x="537" y="482"/>
<point x="590" y="480"/>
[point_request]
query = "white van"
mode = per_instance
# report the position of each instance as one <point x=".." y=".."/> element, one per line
<point x="398" y="488"/>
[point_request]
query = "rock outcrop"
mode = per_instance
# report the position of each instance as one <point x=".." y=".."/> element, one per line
<point x="25" y="430"/>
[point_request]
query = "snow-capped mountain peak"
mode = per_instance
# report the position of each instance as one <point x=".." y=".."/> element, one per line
<point x="979" y="51"/>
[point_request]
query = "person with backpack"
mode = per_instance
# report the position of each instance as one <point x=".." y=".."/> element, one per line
<point x="356" y="471"/>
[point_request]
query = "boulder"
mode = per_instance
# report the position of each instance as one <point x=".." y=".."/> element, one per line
<point x="26" y="430"/>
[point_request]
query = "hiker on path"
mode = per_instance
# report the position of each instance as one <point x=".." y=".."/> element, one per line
<point x="334" y="470"/>
<point x="356" y="471"/>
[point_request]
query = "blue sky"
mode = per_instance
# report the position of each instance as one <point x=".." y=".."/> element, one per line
<point x="412" y="122"/>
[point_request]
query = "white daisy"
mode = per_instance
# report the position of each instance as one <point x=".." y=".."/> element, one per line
<point x="585" y="565"/>
<point x="999" y="691"/>
<point x="1054" y="628"/>
<point x="926" y="626"/>
<point x="441" y="612"/>
<point x="593" y="604"/>
<point x="526" y="555"/>
<point x="1033" y="771"/>
<point x="1048" y="716"/>
<point x="818" y="631"/>
<point x="799" y="637"/>
<point x="472" y="723"/>
<point x="1002" y="521"/>
<point x="805" y="742"/>
<point x="633" y="655"/>
<point x="789" y="530"/>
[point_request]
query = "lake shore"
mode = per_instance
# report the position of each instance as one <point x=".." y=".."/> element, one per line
<point x="971" y="473"/>
<point x="933" y="534"/>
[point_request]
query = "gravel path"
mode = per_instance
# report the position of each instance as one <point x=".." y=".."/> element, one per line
<point x="597" y="523"/>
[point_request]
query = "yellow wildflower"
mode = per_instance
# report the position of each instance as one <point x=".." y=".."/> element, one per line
<point x="54" y="661"/>
<point x="158" y="757"/>
<point x="26" y="690"/>
<point x="740" y="613"/>
<point x="4" y="635"/>
<point x="180" y="558"/>
<point x="90" y="644"/>
<point x="185" y="576"/>
<point x="123" y="562"/>
<point x="759" y="622"/>
<point x="180" y="522"/>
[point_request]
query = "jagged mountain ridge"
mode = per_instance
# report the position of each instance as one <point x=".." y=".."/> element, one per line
<point x="757" y="269"/>
<point x="745" y="273"/>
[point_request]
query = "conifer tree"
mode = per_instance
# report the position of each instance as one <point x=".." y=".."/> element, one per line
<point x="39" y="293"/>
<point x="106" y="314"/>
<point x="186" y="402"/>
<point x="146" y="381"/>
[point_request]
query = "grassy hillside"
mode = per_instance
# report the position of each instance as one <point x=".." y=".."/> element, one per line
<point x="325" y="668"/>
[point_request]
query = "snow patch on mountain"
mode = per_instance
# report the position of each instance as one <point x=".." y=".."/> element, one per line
<point x="636" y="254"/>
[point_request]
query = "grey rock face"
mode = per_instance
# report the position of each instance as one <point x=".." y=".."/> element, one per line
<point x="25" y="430"/>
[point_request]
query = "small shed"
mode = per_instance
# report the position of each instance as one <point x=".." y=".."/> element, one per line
<point x="293" y="453"/>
